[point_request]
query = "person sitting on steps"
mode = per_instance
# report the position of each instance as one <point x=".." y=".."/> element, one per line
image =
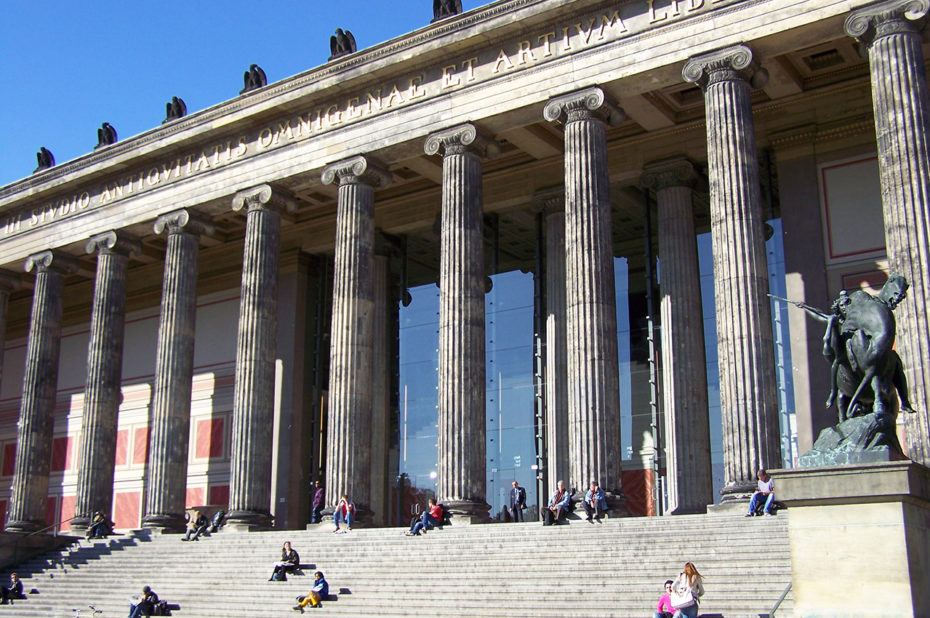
<point x="197" y="524"/>
<point x="431" y="518"/>
<point x="290" y="562"/>
<point x="146" y="604"/>
<point x="559" y="504"/>
<point x="595" y="502"/>
<point x="765" y="493"/>
<point x="317" y="594"/>
<point x="345" y="511"/>
<point x="13" y="591"/>
<point x="100" y="526"/>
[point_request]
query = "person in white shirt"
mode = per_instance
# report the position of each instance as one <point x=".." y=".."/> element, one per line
<point x="765" y="493"/>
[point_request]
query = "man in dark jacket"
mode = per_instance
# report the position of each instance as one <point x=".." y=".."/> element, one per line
<point x="517" y="502"/>
<point x="146" y="604"/>
<point x="14" y="590"/>
<point x="319" y="496"/>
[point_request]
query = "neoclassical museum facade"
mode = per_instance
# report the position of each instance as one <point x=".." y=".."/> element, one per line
<point x="530" y="242"/>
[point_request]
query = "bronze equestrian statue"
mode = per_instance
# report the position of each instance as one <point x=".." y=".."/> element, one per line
<point x="866" y="374"/>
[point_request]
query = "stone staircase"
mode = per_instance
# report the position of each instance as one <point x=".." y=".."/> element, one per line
<point x="614" y="568"/>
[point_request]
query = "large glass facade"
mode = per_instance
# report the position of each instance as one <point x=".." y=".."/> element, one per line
<point x="775" y="255"/>
<point x="510" y="435"/>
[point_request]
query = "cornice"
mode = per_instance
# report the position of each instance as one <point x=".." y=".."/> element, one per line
<point x="205" y="118"/>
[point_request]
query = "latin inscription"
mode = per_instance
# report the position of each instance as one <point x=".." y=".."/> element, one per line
<point x="458" y="73"/>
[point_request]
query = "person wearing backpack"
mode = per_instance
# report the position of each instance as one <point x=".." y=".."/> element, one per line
<point x="431" y="518"/>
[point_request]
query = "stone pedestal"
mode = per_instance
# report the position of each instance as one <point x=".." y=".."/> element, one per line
<point x="166" y="484"/>
<point x="892" y="34"/>
<point x="590" y="302"/>
<point x="462" y="447"/>
<point x="40" y="384"/>
<point x="103" y="392"/>
<point x="684" y="374"/>
<point x="254" y="396"/>
<point x="859" y="537"/>
<point x="348" y="448"/>
<point x="748" y="401"/>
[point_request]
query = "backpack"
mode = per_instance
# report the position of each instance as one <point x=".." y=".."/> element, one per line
<point x="161" y="609"/>
<point x="446" y="516"/>
<point x="279" y="576"/>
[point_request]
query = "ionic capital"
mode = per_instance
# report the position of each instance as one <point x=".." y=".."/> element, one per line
<point x="51" y="261"/>
<point x="357" y="170"/>
<point x="263" y="197"/>
<point x="113" y="242"/>
<point x="183" y="222"/>
<point x="583" y="105"/>
<point x="676" y="172"/>
<point x="728" y="64"/>
<point x="550" y="200"/>
<point x="460" y="139"/>
<point x="884" y="18"/>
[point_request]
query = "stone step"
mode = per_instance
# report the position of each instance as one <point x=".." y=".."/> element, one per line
<point x="457" y="571"/>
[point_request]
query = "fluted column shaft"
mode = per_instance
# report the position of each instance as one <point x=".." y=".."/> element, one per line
<point x="102" y="393"/>
<point x="462" y="448"/>
<point x="254" y="391"/>
<point x="684" y="374"/>
<point x="349" y="408"/>
<point x="381" y="322"/>
<point x="590" y="302"/>
<point x="556" y="372"/>
<point x="166" y="484"/>
<point x="902" y="127"/>
<point x="40" y="385"/>
<point x="744" y="325"/>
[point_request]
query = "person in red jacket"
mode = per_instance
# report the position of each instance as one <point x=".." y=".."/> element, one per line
<point x="431" y="518"/>
<point x="345" y="511"/>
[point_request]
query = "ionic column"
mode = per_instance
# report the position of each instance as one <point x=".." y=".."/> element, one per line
<point x="684" y="374"/>
<point x="744" y="324"/>
<point x="590" y="303"/>
<point x="166" y="484"/>
<point x="348" y="440"/>
<point x="102" y="393"/>
<point x="462" y="448"/>
<point x="382" y="321"/>
<point x="40" y="385"/>
<point x="254" y="394"/>
<point x="899" y="99"/>
<point x="553" y="205"/>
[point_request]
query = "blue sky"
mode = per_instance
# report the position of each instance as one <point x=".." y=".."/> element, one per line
<point x="70" y="66"/>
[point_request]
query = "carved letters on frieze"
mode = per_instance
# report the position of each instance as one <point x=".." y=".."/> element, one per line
<point x="546" y="44"/>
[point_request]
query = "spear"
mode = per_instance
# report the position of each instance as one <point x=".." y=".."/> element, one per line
<point x="812" y="310"/>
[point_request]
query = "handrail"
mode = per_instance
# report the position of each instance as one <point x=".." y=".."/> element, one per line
<point x="57" y="524"/>
<point x="16" y="543"/>
<point x="779" y="601"/>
